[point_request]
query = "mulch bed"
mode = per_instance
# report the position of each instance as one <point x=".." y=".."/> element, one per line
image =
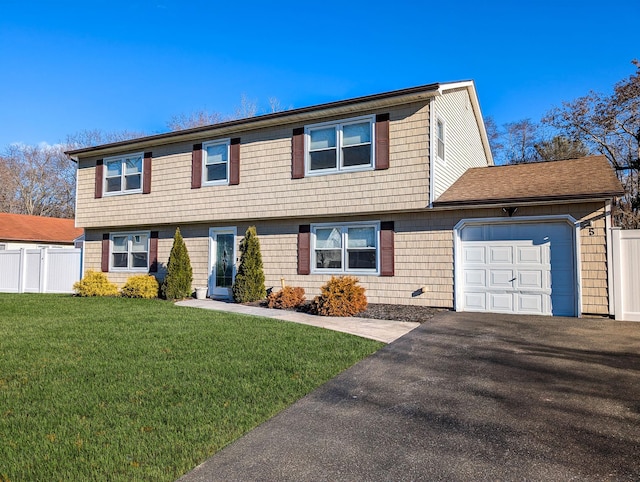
<point x="380" y="311"/>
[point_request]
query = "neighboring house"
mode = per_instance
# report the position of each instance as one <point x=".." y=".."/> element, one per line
<point x="397" y="189"/>
<point x="19" y="231"/>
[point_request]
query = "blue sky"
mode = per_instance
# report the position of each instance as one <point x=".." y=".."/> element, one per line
<point x="66" y="66"/>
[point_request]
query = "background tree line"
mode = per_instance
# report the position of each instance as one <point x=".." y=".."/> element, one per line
<point x="41" y="180"/>
<point x="597" y="123"/>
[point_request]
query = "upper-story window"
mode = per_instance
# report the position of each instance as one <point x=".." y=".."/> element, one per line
<point x="215" y="162"/>
<point x="123" y="174"/>
<point x="440" y="139"/>
<point x="129" y="251"/>
<point x="340" y="146"/>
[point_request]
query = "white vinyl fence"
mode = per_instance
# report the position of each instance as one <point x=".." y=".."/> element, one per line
<point x="626" y="273"/>
<point x="46" y="270"/>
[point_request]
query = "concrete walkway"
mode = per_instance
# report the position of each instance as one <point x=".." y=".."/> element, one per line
<point x="385" y="331"/>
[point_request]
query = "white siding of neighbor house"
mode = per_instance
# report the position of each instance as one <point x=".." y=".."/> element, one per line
<point x="463" y="142"/>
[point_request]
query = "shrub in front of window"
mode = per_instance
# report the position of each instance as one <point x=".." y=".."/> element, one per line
<point x="95" y="284"/>
<point x="249" y="282"/>
<point x="287" y="298"/>
<point x="140" y="286"/>
<point x="177" y="283"/>
<point x="340" y="296"/>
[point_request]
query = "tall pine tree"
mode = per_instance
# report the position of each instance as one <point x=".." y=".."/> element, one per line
<point x="177" y="283"/>
<point x="249" y="282"/>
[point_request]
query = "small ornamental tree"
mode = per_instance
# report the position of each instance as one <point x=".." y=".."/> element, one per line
<point x="177" y="283"/>
<point x="249" y="282"/>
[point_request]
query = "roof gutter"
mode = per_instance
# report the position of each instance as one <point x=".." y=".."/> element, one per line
<point x="488" y="203"/>
<point x="300" y="115"/>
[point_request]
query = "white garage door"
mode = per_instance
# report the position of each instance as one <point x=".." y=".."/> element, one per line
<point x="526" y="268"/>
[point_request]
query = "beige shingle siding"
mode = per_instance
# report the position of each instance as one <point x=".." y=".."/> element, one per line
<point x="463" y="143"/>
<point x="266" y="189"/>
<point x="423" y="254"/>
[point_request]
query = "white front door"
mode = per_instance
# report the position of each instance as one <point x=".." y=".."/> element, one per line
<point x="222" y="261"/>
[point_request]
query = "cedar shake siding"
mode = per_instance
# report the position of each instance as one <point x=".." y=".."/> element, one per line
<point x="422" y="253"/>
<point x="261" y="186"/>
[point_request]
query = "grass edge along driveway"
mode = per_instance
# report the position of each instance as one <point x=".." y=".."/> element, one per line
<point x="122" y="389"/>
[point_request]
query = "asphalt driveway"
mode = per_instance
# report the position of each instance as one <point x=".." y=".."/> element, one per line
<point x="463" y="397"/>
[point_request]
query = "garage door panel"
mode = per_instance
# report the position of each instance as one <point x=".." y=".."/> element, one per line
<point x="474" y="255"/>
<point x="501" y="254"/>
<point x="529" y="254"/>
<point x="475" y="301"/>
<point x="531" y="279"/>
<point x="475" y="278"/>
<point x="530" y="303"/>
<point x="501" y="302"/>
<point x="501" y="279"/>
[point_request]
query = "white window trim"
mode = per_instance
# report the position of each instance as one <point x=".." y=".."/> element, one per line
<point x="121" y="159"/>
<point x="441" y="119"/>
<point x="128" y="270"/>
<point x="345" y="270"/>
<point x="339" y="167"/>
<point x="220" y="182"/>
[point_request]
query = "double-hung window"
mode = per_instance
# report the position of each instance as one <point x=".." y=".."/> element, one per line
<point x="215" y="160"/>
<point x="340" y="146"/>
<point x="130" y="251"/>
<point x="346" y="248"/>
<point x="123" y="175"/>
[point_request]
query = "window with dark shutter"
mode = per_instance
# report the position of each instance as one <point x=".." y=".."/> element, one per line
<point x="304" y="249"/>
<point x="99" y="177"/>
<point x="196" y="166"/>
<point x="234" y="162"/>
<point x="146" y="173"/>
<point x="387" y="234"/>
<point x="297" y="153"/>
<point x="104" y="262"/>
<point x="382" y="141"/>
<point x="153" y="252"/>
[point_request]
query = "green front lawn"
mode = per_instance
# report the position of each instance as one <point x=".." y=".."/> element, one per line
<point x="125" y="389"/>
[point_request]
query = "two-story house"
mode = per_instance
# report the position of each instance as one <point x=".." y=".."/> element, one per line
<point x="396" y="188"/>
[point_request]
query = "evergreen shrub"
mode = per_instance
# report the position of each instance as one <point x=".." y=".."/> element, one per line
<point x="340" y="296"/>
<point x="140" y="286"/>
<point x="177" y="283"/>
<point x="95" y="284"/>
<point x="249" y="282"/>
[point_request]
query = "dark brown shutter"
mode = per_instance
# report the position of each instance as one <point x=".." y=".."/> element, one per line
<point x="304" y="249"/>
<point x="104" y="263"/>
<point x="99" y="178"/>
<point x="153" y="252"/>
<point x="297" y="153"/>
<point x="382" y="141"/>
<point x="234" y="162"/>
<point x="146" y="173"/>
<point x="196" y="166"/>
<point x="387" y="265"/>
